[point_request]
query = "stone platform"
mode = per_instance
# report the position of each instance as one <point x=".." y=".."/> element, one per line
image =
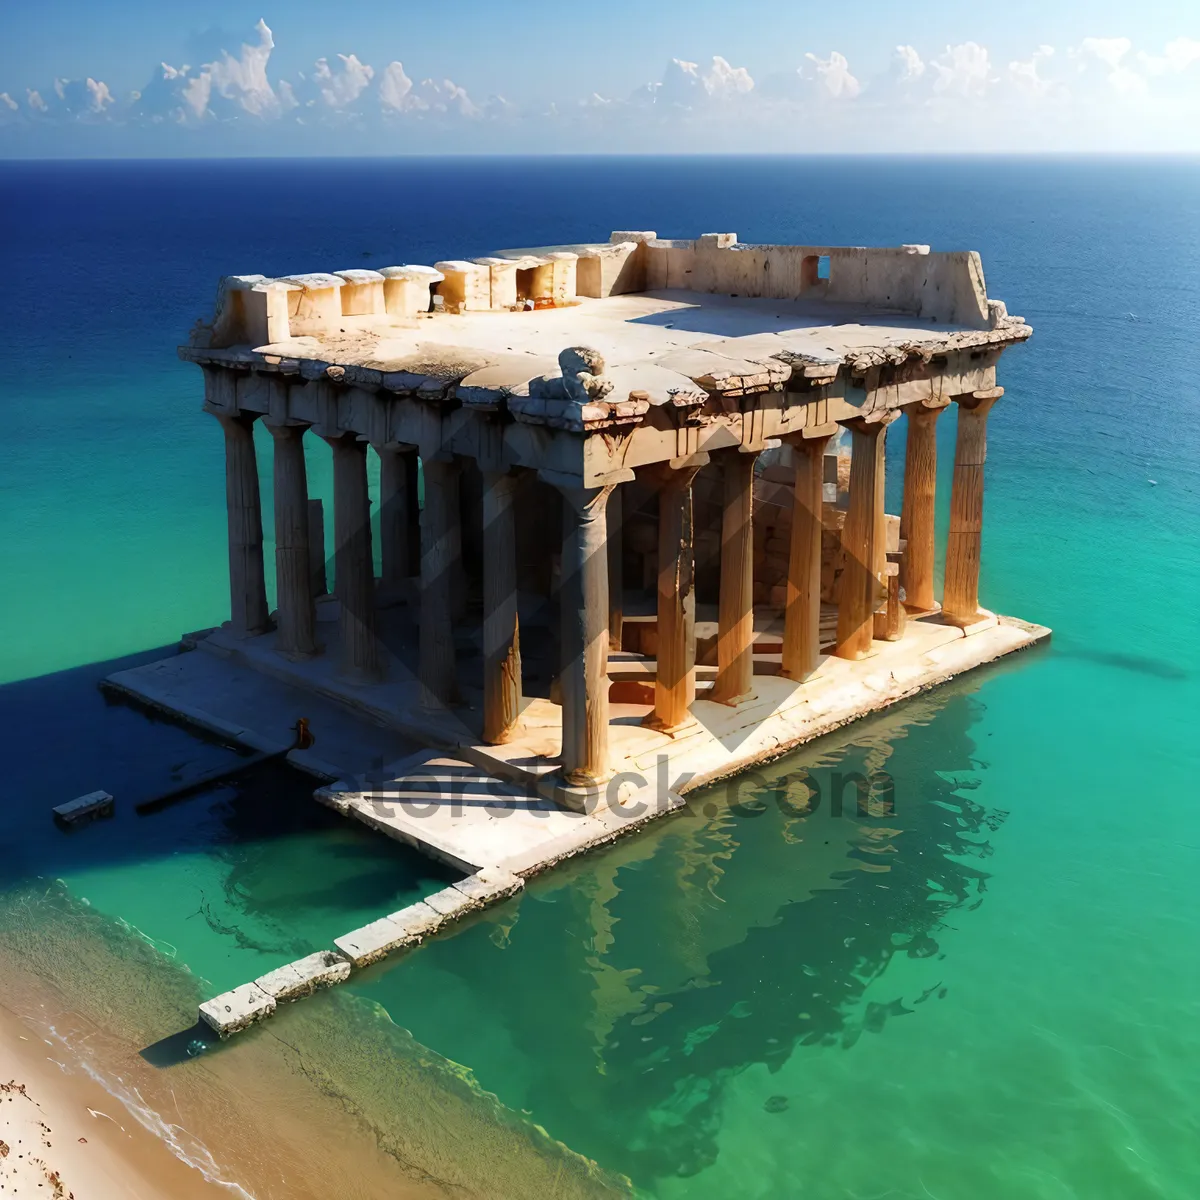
<point x="475" y="805"/>
<point x="500" y="813"/>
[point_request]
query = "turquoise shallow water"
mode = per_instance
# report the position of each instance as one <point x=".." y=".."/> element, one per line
<point x="990" y="990"/>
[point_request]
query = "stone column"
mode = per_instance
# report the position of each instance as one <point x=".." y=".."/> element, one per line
<point x="316" y="547"/>
<point x="397" y="475"/>
<point x="860" y="585"/>
<point x="248" y="614"/>
<point x="501" y="630"/>
<point x="918" y="507"/>
<point x="802" y="617"/>
<point x="735" y="618"/>
<point x="437" y="634"/>
<point x="583" y="597"/>
<point x="353" y="567"/>
<point x="293" y="578"/>
<point x="675" y="682"/>
<point x="616" y="572"/>
<point x="960" y="599"/>
<point x="458" y="575"/>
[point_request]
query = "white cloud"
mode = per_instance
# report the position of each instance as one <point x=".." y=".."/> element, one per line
<point x="1100" y="93"/>
<point x="721" y="79"/>
<point x="228" y="87"/>
<point x="1026" y="75"/>
<point x="80" y="97"/>
<point x="1109" y="51"/>
<point x="1111" y="54"/>
<point x="832" y="76"/>
<point x="1177" y="57"/>
<point x="445" y="96"/>
<point x="963" y="70"/>
<point x="907" y="65"/>
<point x="395" y="89"/>
<point x="339" y="86"/>
<point x="243" y="80"/>
<point x="685" y="85"/>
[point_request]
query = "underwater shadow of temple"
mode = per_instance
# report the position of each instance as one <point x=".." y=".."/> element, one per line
<point x="767" y="930"/>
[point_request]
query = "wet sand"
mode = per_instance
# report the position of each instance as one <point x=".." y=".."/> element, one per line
<point x="330" y="1099"/>
<point x="62" y="1135"/>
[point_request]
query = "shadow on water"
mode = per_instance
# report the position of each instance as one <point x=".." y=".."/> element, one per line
<point x="633" y="985"/>
<point x="178" y="1047"/>
<point x="279" y="860"/>
<point x="1139" y="664"/>
<point x="622" y="993"/>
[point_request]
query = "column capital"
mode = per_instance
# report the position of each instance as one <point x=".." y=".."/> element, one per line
<point x="229" y="416"/>
<point x="282" y="427"/>
<point x="979" y="401"/>
<point x="586" y="502"/>
<point x="873" y="424"/>
<point x="929" y="405"/>
<point x="341" y="438"/>
<point x="675" y="473"/>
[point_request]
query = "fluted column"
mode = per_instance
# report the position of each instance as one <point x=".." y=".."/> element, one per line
<point x="583" y="599"/>
<point x="353" y="567"/>
<point x="437" y="561"/>
<point x="293" y="579"/>
<point x="918" y="508"/>
<point x="501" y="630"/>
<point x="397" y="492"/>
<point x="960" y="598"/>
<point x="247" y="582"/>
<point x="675" y="681"/>
<point x="458" y="574"/>
<point x="802" y="617"/>
<point x="860" y="586"/>
<point x="735" y="616"/>
<point x="616" y="571"/>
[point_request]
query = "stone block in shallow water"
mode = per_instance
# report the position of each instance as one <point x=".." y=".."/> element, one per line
<point x="235" y="1010"/>
<point x="378" y="939"/>
<point x="489" y="885"/>
<point x="303" y="977"/>
<point x="450" y="903"/>
<point x="94" y="804"/>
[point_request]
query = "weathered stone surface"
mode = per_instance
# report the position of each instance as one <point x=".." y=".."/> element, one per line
<point x="374" y="941"/>
<point x="93" y="804"/>
<point x="378" y="939"/>
<point x="235" y="1010"/>
<point x="489" y="884"/>
<point x="450" y="902"/>
<point x="305" y="975"/>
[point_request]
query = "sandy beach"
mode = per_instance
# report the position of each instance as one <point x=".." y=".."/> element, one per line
<point x="332" y="1091"/>
<point x="63" y="1135"/>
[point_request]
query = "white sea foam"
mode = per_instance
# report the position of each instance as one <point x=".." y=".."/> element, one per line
<point x="184" y="1145"/>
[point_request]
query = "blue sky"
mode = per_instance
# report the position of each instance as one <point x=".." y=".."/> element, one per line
<point x="130" y="76"/>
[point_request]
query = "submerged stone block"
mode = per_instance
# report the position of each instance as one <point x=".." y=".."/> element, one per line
<point x="235" y="1010"/>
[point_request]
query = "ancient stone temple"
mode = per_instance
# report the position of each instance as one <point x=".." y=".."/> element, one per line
<point x="629" y="534"/>
<point x="630" y="499"/>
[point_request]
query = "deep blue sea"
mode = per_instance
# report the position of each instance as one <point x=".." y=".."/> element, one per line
<point x="993" y="993"/>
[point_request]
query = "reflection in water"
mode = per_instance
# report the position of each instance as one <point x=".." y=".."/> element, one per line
<point x="636" y="982"/>
<point x="614" y="1001"/>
